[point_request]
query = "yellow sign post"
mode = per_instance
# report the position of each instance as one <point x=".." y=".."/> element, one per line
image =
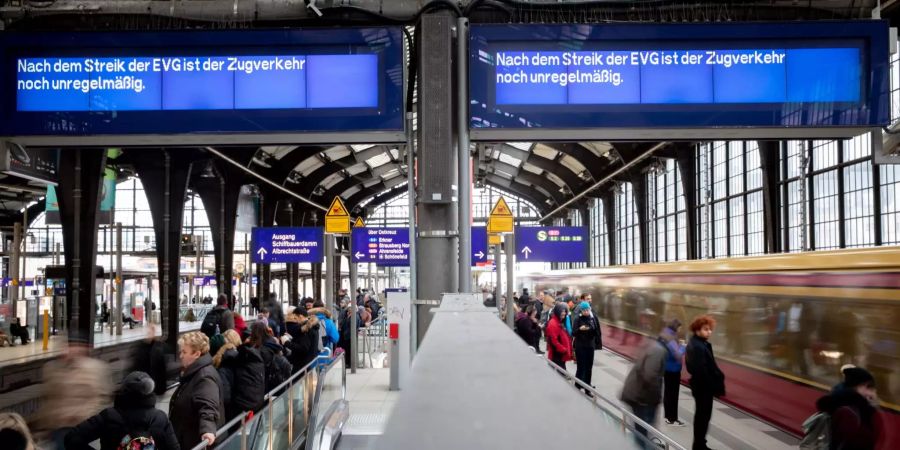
<point x="46" y="330"/>
<point x="493" y="239"/>
<point x="501" y="218"/>
<point x="337" y="219"/>
<point x="359" y="223"/>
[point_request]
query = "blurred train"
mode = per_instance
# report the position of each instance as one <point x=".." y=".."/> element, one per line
<point x="785" y="323"/>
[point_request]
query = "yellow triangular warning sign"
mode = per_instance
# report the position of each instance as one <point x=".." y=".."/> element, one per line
<point x="337" y="209"/>
<point x="359" y="223"/>
<point x="501" y="208"/>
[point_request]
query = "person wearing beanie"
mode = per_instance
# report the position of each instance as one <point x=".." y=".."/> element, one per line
<point x="132" y="418"/>
<point x="586" y="331"/>
<point x="559" y="348"/>
<point x="840" y="385"/>
<point x="672" y="376"/>
<point x="853" y="411"/>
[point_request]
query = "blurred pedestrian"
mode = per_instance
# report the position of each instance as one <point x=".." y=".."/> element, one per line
<point x="331" y="332"/>
<point x="643" y="388"/>
<point x="853" y="411"/>
<point x="14" y="433"/>
<point x="345" y="329"/>
<point x="707" y="381"/>
<point x="150" y="357"/>
<point x="276" y="313"/>
<point x="559" y="348"/>
<point x="132" y="422"/>
<point x="74" y="388"/>
<point x="587" y="341"/>
<point x="196" y="408"/>
<point x="672" y="376"/>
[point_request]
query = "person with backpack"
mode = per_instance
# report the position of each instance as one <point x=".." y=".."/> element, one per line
<point x="132" y="423"/>
<point x="305" y="343"/>
<point x="331" y="334"/>
<point x="242" y="371"/>
<point x="672" y="376"/>
<point x="276" y="367"/>
<point x="707" y="381"/>
<point x="847" y="418"/>
<point x="219" y="319"/>
<point x="196" y="408"/>
<point x="643" y="387"/>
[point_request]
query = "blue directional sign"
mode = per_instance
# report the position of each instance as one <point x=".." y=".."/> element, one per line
<point x="287" y="245"/>
<point x="479" y="245"/>
<point x="551" y="244"/>
<point x="382" y="246"/>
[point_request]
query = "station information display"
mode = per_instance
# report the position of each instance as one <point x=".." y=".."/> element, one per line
<point x="328" y="80"/>
<point x="823" y="74"/>
<point x="551" y="244"/>
<point x="287" y="245"/>
<point x="383" y="246"/>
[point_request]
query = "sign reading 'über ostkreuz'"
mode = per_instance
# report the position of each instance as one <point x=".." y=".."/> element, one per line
<point x="382" y="246"/>
<point x="287" y="245"/>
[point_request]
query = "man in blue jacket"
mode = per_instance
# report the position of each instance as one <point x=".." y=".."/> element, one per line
<point x="672" y="375"/>
<point x="331" y="331"/>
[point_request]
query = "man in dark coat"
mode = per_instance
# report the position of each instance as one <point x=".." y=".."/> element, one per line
<point x="150" y="357"/>
<point x="305" y="340"/>
<point x="134" y="412"/>
<point x="853" y="410"/>
<point x="196" y="408"/>
<point x="707" y="381"/>
<point x="643" y="388"/>
<point x="276" y="313"/>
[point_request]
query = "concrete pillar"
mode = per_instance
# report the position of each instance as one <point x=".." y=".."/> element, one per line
<point x="436" y="199"/>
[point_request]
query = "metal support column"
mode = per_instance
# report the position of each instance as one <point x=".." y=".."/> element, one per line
<point x="14" y="269"/>
<point x="120" y="280"/>
<point x="462" y="139"/>
<point x="498" y="275"/>
<point x="329" y="272"/>
<point x="411" y="195"/>
<point x="510" y="243"/>
<point x="354" y="341"/>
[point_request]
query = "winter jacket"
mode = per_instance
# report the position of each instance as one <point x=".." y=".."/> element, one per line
<point x="73" y="389"/>
<point x="706" y="378"/>
<point x="276" y="315"/>
<point x="240" y="325"/>
<point x="226" y="318"/>
<point x="331" y="332"/>
<point x="277" y="367"/>
<point x="196" y="406"/>
<point x="528" y="330"/>
<point x="558" y="343"/>
<point x="643" y="385"/>
<point x="150" y="357"/>
<point x="589" y="338"/>
<point x="854" y="424"/>
<point x="304" y="343"/>
<point x="675" y="354"/>
<point x="242" y="371"/>
<point x="134" y="413"/>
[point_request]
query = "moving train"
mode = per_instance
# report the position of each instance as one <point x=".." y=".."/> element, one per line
<point x="786" y="323"/>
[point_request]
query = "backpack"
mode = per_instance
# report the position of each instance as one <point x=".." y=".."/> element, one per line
<point x="210" y="321"/>
<point x="816" y="432"/>
<point x="278" y="369"/>
<point x="140" y="441"/>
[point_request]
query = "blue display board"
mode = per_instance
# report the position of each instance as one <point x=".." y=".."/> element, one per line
<point x="327" y="80"/>
<point x="551" y="244"/>
<point x="808" y="74"/>
<point x="287" y="245"/>
<point x="382" y="246"/>
<point x="479" y="245"/>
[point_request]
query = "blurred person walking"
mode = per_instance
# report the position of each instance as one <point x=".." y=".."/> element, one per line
<point x="643" y="387"/>
<point x="150" y="357"/>
<point x="196" y="408"/>
<point x="14" y="433"/>
<point x="132" y="422"/>
<point x="853" y="410"/>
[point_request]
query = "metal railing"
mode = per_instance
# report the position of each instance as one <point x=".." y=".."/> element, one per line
<point x="616" y="414"/>
<point x="289" y="411"/>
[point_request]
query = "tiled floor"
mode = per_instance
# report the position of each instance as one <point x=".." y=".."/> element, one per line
<point x="58" y="344"/>
<point x="371" y="401"/>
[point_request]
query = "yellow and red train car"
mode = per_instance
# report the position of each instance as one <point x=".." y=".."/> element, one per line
<point x="786" y="323"/>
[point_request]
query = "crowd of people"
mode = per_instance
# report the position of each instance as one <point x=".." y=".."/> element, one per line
<point x="225" y="369"/>
<point x="846" y="418"/>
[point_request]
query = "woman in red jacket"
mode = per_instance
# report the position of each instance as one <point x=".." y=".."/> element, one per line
<point x="559" y="347"/>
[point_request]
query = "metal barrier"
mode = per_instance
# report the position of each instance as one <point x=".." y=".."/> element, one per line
<point x="617" y="414"/>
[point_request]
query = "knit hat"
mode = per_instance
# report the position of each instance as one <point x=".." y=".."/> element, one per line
<point x="857" y="376"/>
<point x="215" y="343"/>
<point x="138" y="383"/>
<point x="584" y="305"/>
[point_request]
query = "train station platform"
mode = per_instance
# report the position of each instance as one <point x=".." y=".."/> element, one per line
<point x="33" y="351"/>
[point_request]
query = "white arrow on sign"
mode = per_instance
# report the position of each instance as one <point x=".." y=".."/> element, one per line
<point x="526" y="251"/>
<point x="359" y="255"/>
<point x="262" y="253"/>
<point x="480" y="254"/>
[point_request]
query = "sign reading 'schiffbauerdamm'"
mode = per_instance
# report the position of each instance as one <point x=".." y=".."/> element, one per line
<point x="287" y="245"/>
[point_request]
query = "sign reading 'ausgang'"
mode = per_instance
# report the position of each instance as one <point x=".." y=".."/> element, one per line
<point x="287" y="245"/>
